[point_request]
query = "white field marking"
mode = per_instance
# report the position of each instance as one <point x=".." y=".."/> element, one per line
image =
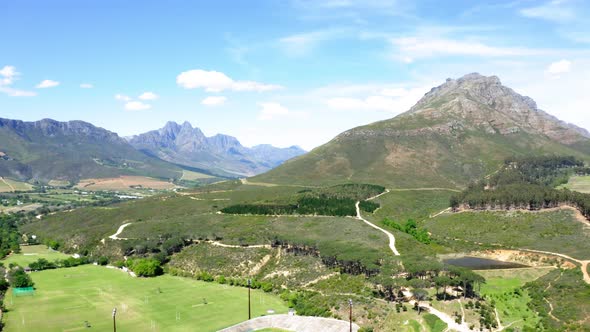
<point x="119" y="231"/>
<point x="200" y="304"/>
<point x="389" y="235"/>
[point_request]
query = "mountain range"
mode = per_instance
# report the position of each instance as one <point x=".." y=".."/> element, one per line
<point x="48" y="150"/>
<point x="458" y="132"/>
<point x="219" y="154"/>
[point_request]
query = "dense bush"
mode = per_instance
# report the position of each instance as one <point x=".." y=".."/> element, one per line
<point x="368" y="206"/>
<point x="19" y="278"/>
<point x="410" y="227"/>
<point x="146" y="267"/>
<point x="9" y="236"/>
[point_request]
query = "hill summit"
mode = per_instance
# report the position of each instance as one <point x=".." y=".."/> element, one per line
<point x="459" y="131"/>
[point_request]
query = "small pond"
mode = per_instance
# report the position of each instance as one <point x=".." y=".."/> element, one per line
<point x="477" y="263"/>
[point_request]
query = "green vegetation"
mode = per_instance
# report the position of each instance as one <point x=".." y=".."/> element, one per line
<point x="332" y="201"/>
<point x="9" y="235"/>
<point x="145" y="267"/>
<point x="434" y="323"/>
<point x="66" y="299"/>
<point x="555" y="231"/>
<point x="32" y="253"/>
<point x="579" y="183"/>
<point x="9" y="185"/>
<point x="18" y="278"/>
<point x="410" y="227"/>
<point x="568" y="295"/>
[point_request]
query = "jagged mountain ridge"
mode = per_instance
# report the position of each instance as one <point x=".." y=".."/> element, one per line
<point x="220" y="154"/>
<point x="48" y="150"/>
<point x="459" y="131"/>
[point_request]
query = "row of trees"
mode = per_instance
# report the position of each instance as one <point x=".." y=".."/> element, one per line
<point x="525" y="184"/>
<point x="306" y="205"/>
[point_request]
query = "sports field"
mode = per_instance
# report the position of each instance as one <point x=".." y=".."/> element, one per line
<point x="31" y="254"/>
<point x="65" y="299"/>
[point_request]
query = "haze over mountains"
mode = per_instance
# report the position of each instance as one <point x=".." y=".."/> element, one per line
<point x="48" y="150"/>
<point x="219" y="154"/>
<point x="459" y="131"/>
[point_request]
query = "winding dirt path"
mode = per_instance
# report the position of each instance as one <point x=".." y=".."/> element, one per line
<point x="119" y="231"/>
<point x="389" y="235"/>
<point x="583" y="264"/>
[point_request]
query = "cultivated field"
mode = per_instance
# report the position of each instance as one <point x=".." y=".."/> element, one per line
<point x="31" y="254"/>
<point x="578" y="183"/>
<point x="191" y="176"/>
<point x="124" y="183"/>
<point x="8" y="185"/>
<point x="67" y="298"/>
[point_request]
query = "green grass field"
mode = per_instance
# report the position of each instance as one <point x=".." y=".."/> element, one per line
<point x="31" y="254"/>
<point x="578" y="183"/>
<point x="66" y="298"/>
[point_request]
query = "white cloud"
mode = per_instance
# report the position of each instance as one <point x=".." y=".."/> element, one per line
<point x="393" y="100"/>
<point x="214" y="101"/>
<point x="551" y="11"/>
<point x="136" y="106"/>
<point x="302" y="44"/>
<point x="86" y="86"/>
<point x="411" y="48"/>
<point x="272" y="110"/>
<point x="148" y="96"/>
<point x="8" y="75"/>
<point x="122" y="97"/>
<point x="559" y="67"/>
<point x="47" y="84"/>
<point x="16" y="93"/>
<point x="214" y="81"/>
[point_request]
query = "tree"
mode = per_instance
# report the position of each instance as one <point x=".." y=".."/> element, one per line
<point x="146" y="267"/>
<point x="19" y="278"/>
<point x="420" y="295"/>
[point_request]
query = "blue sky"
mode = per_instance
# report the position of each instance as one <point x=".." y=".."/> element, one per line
<point x="282" y="72"/>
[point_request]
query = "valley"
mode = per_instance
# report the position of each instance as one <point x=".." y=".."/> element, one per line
<point x="442" y="218"/>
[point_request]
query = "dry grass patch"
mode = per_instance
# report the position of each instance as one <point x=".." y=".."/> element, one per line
<point x="125" y="182"/>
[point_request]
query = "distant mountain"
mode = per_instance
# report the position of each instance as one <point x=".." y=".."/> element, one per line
<point x="459" y="131"/>
<point x="220" y="154"/>
<point x="50" y="150"/>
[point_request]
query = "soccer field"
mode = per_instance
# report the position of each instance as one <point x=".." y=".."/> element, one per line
<point x="67" y="298"/>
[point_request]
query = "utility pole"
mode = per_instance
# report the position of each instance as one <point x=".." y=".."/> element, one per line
<point x="350" y="313"/>
<point x="114" y="321"/>
<point x="249" y="309"/>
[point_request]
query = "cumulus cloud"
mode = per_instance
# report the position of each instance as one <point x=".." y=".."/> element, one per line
<point x="559" y="67"/>
<point x="136" y="106"/>
<point x="86" y="86"/>
<point x="8" y="75"/>
<point x="214" y="101"/>
<point x="148" y="96"/>
<point x="214" y="81"/>
<point x="47" y="84"/>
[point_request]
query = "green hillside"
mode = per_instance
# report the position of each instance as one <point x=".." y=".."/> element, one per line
<point x="451" y="137"/>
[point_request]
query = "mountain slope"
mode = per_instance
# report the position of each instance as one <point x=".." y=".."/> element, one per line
<point x="457" y="132"/>
<point x="47" y="149"/>
<point x="219" y="154"/>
